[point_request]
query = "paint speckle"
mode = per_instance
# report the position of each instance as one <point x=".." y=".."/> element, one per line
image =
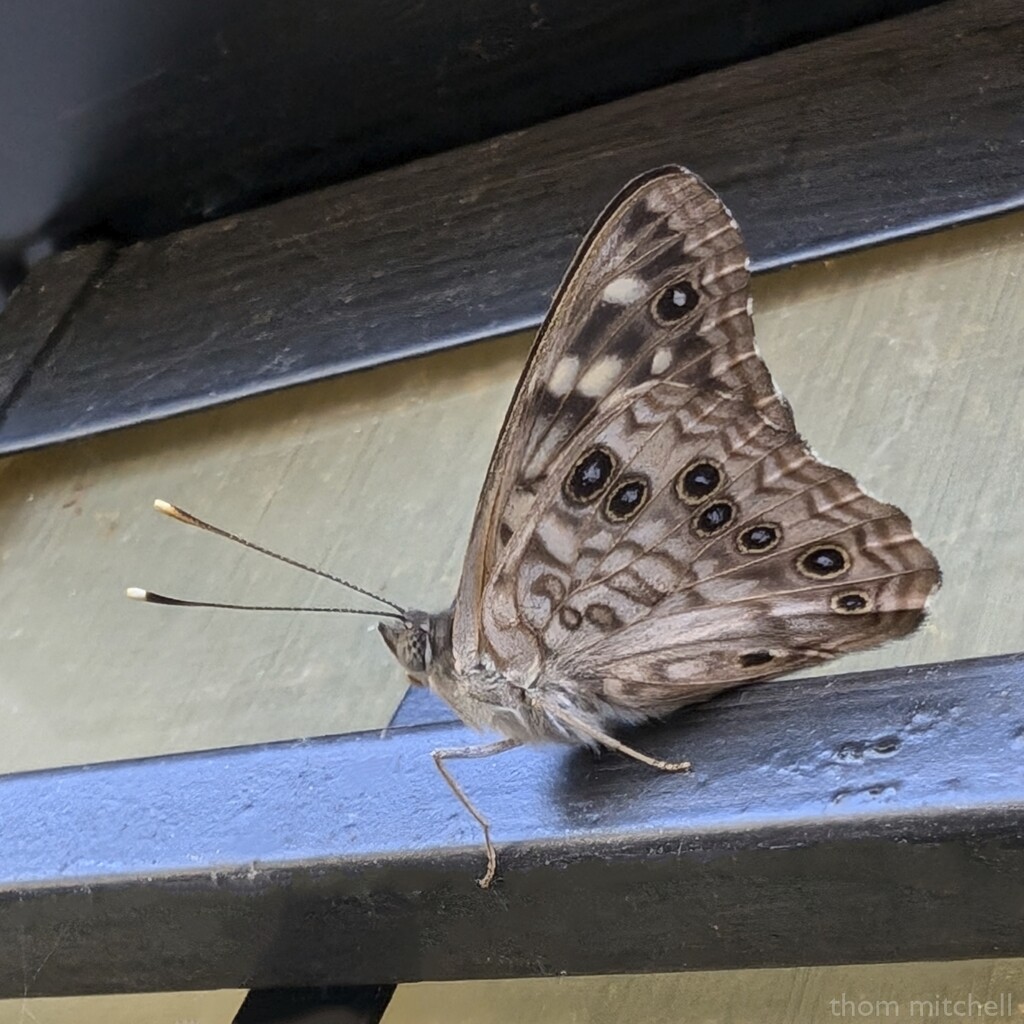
<point x="865" y="796"/>
<point x="855" y="751"/>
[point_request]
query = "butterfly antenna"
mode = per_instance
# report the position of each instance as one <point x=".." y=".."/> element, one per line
<point x="190" y="520"/>
<point x="151" y="597"/>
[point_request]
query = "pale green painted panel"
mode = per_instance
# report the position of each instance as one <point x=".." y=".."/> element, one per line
<point x="338" y="474"/>
<point x="972" y="990"/>
<point x="904" y="365"/>
<point x="167" y="1008"/>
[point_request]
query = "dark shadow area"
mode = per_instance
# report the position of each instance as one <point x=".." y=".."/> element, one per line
<point x="127" y="120"/>
<point x="326" y="1004"/>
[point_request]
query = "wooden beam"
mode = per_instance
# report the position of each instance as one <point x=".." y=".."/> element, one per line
<point x="900" y="127"/>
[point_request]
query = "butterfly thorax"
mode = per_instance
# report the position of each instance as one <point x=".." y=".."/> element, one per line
<point x="481" y="695"/>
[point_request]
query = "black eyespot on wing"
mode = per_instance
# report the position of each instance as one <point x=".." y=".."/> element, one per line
<point x="699" y="481"/>
<point x="590" y="476"/>
<point x="823" y="563"/>
<point x="754" y="658"/>
<point x="851" y="602"/>
<point x="675" y="302"/>
<point x="713" y="519"/>
<point x="760" y="538"/>
<point x="627" y="499"/>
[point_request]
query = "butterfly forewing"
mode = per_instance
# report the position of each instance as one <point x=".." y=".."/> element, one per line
<point x="664" y="229"/>
<point x="652" y="525"/>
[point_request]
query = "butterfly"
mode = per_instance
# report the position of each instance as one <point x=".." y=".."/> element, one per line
<point x="652" y="529"/>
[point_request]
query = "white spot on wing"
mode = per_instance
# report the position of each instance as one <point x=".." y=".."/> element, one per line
<point x="661" y="361"/>
<point x="558" y="540"/>
<point x="600" y="377"/>
<point x="563" y="377"/>
<point x="750" y="306"/>
<point x="623" y="290"/>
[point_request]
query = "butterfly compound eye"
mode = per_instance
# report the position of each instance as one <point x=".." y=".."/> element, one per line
<point x="409" y="643"/>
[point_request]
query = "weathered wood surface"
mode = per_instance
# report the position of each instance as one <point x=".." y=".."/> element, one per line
<point x="889" y="130"/>
<point x="46" y="303"/>
<point x="140" y="119"/>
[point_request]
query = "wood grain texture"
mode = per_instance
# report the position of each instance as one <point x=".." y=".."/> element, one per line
<point x="153" y="118"/>
<point x="46" y="303"/>
<point x="892" y="129"/>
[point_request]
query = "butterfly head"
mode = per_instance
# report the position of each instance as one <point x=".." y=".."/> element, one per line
<point x="412" y="641"/>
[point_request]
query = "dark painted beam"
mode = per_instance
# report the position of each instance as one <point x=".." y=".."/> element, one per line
<point x="900" y="127"/>
<point x="863" y="818"/>
<point x="35" y="324"/>
<point x="136" y="119"/>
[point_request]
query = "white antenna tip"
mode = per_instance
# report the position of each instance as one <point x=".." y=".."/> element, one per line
<point x="136" y="593"/>
<point x="164" y="506"/>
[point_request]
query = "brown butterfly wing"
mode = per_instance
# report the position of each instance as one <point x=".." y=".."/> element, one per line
<point x="662" y="222"/>
<point x="652" y="525"/>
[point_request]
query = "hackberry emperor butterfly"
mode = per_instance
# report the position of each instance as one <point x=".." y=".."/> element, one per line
<point x="652" y="529"/>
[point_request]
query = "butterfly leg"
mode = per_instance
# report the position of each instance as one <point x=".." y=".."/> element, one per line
<point x="579" y="725"/>
<point x="482" y="750"/>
